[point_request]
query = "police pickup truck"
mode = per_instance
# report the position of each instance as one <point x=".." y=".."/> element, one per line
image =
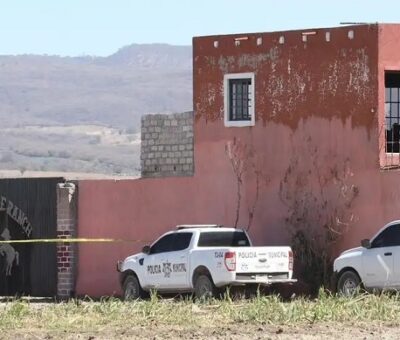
<point x="202" y="259"/>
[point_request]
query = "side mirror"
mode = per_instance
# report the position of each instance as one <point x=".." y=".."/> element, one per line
<point x="366" y="243"/>
<point x="146" y="250"/>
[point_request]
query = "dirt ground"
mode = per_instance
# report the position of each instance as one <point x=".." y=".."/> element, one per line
<point x="378" y="317"/>
<point x="234" y="332"/>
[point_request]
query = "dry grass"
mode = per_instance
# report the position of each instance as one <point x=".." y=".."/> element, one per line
<point x="78" y="315"/>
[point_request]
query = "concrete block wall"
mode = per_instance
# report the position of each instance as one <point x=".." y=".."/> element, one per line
<point x="167" y="145"/>
<point x="66" y="228"/>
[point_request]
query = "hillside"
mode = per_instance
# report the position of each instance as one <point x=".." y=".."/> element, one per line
<point x="82" y="114"/>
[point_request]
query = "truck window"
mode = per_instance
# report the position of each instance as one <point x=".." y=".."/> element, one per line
<point x="181" y="241"/>
<point x="390" y="237"/>
<point x="223" y="239"/>
<point x="163" y="245"/>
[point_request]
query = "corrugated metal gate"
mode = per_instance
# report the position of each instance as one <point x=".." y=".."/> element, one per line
<point x="28" y="209"/>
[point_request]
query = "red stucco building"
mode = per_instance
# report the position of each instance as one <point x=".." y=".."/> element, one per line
<point x="290" y="128"/>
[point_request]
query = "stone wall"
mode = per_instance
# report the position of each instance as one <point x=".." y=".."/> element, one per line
<point x="167" y="145"/>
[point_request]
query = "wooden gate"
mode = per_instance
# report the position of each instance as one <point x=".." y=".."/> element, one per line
<point x="28" y="210"/>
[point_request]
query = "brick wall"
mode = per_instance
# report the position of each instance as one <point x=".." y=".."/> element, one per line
<point x="167" y="145"/>
<point x="66" y="228"/>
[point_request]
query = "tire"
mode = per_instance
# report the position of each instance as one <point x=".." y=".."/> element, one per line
<point x="204" y="288"/>
<point x="349" y="283"/>
<point x="132" y="289"/>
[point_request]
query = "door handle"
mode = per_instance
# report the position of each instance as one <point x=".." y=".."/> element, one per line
<point x="388" y="254"/>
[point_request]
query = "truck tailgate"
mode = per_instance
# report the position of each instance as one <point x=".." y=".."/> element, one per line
<point x="262" y="259"/>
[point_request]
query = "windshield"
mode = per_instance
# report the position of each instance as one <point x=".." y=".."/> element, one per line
<point x="223" y="239"/>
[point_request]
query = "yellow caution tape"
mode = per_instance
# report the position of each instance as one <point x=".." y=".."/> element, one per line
<point x="69" y="240"/>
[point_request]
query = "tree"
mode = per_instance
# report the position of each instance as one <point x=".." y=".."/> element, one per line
<point x="244" y="161"/>
<point x="22" y="169"/>
<point x="319" y="195"/>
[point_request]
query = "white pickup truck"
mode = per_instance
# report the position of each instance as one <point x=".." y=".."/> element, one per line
<point x="202" y="259"/>
<point x="373" y="266"/>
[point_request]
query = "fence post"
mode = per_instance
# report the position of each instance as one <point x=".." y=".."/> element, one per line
<point x="66" y="228"/>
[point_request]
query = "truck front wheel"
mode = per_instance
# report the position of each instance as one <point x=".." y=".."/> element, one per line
<point x="348" y="284"/>
<point x="204" y="288"/>
<point x="132" y="289"/>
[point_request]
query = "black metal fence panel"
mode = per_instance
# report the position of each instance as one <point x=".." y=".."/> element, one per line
<point x="28" y="210"/>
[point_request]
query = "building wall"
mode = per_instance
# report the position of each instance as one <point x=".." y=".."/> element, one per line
<point x="315" y="144"/>
<point x="316" y="106"/>
<point x="167" y="145"/>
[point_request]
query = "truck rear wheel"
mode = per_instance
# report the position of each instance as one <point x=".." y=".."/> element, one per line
<point x="132" y="289"/>
<point x="204" y="288"/>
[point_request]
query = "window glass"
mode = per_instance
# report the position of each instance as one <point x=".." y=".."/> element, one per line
<point x="239" y="99"/>
<point x="181" y="241"/>
<point x="389" y="237"/>
<point x="224" y="239"/>
<point x="164" y="244"/>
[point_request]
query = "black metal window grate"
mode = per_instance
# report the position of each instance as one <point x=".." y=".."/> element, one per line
<point x="239" y="99"/>
<point x="392" y="114"/>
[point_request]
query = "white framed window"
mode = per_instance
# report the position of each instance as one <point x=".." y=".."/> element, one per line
<point x="392" y="111"/>
<point x="239" y="99"/>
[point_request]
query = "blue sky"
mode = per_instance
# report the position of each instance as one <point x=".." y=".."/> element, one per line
<point x="100" y="27"/>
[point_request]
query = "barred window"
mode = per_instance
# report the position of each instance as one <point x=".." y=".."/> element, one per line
<point x="392" y="114"/>
<point x="239" y="99"/>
